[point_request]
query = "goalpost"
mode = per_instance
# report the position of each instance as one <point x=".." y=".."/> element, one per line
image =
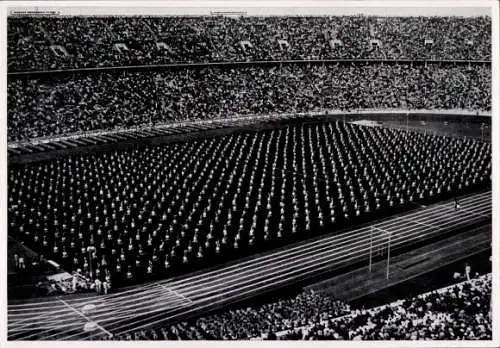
<point x="389" y="234"/>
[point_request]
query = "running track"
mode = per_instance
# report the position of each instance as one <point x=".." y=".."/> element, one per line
<point x="169" y="300"/>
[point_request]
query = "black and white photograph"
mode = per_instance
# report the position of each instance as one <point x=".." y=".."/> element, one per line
<point x="269" y="172"/>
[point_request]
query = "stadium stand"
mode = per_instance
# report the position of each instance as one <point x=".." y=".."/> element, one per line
<point x="86" y="42"/>
<point x="159" y="210"/>
<point x="84" y="102"/>
<point x="255" y="321"/>
<point x="460" y="311"/>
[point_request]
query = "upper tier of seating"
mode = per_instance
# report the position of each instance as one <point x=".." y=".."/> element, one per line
<point x="81" y="42"/>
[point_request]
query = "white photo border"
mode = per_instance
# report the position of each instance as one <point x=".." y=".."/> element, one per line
<point x="297" y="6"/>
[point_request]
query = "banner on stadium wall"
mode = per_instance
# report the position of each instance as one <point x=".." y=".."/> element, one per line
<point x="245" y="45"/>
<point x="336" y="43"/>
<point x="283" y="44"/>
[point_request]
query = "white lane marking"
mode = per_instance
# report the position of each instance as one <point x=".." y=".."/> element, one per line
<point x="424" y="224"/>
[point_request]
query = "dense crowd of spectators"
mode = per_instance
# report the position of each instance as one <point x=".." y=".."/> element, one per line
<point x="460" y="312"/>
<point x="255" y="321"/>
<point x="304" y="309"/>
<point x="77" y="42"/>
<point x="159" y="210"/>
<point x="85" y="102"/>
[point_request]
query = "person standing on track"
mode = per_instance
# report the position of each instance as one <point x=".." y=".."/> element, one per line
<point x="105" y="287"/>
<point x="21" y="262"/>
<point x="457" y="204"/>
<point x="98" y="286"/>
<point x="74" y="282"/>
<point x="467" y="271"/>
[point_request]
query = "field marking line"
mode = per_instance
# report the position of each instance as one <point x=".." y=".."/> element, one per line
<point x="85" y="317"/>
<point x="187" y="299"/>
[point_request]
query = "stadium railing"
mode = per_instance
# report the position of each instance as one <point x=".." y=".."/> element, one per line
<point x="154" y="67"/>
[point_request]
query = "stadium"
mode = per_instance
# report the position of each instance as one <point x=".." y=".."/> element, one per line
<point x="230" y="176"/>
